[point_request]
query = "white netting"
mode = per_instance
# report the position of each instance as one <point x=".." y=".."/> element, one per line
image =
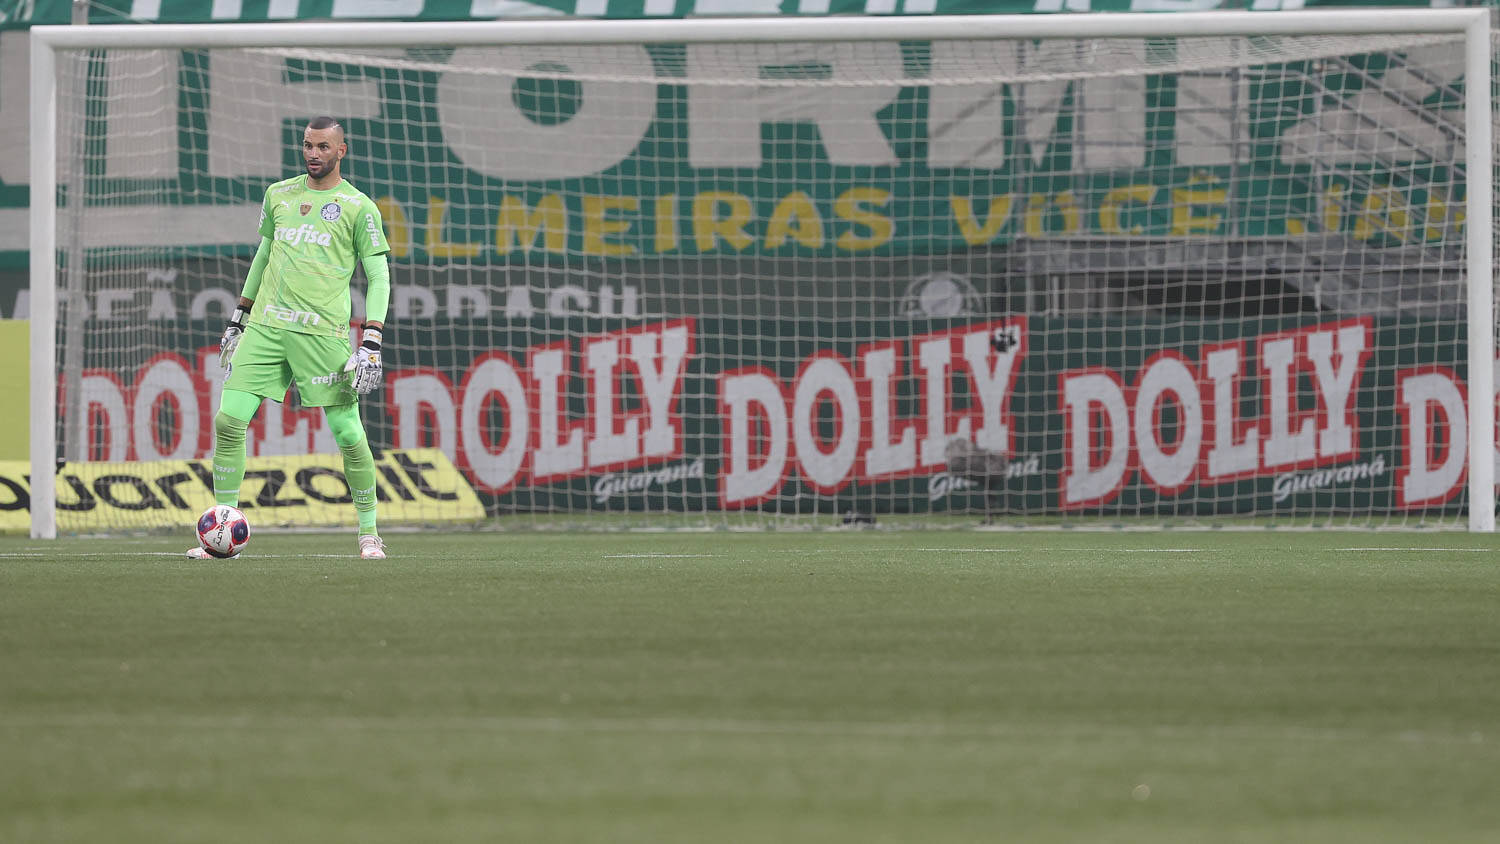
<point x="1166" y="280"/>
<point x="811" y="64"/>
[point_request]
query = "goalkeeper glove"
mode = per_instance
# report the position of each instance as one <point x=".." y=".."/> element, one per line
<point x="231" y="339"/>
<point x="365" y="362"/>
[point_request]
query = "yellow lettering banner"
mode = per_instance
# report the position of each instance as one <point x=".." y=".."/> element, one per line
<point x="414" y="487"/>
<point x="15" y="381"/>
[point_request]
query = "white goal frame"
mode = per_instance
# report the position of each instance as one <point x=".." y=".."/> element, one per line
<point x="1472" y="24"/>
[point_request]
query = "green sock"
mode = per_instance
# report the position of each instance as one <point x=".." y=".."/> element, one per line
<point x="359" y="470"/>
<point x="229" y="458"/>
<point x="359" y="463"/>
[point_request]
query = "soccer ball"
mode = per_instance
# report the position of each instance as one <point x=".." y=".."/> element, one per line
<point x="223" y="530"/>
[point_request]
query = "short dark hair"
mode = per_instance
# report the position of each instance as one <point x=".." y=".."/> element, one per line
<point x="323" y="121"/>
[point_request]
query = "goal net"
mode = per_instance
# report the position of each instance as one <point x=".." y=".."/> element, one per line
<point x="1210" y="273"/>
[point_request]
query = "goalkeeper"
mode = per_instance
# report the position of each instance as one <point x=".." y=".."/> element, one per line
<point x="292" y="321"/>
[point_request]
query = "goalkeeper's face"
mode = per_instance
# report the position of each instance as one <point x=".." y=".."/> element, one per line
<point x="322" y="150"/>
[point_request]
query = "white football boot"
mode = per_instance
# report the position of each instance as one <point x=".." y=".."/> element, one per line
<point x="371" y="548"/>
<point x="197" y="553"/>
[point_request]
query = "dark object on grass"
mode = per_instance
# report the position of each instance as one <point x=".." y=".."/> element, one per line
<point x="985" y="468"/>
<point x="853" y="519"/>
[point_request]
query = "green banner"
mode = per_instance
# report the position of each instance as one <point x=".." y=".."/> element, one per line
<point x="568" y="168"/>
<point x="26" y="12"/>
<point x="569" y="163"/>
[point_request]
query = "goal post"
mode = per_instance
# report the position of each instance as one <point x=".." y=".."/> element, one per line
<point x="1192" y="266"/>
<point x="1480" y="245"/>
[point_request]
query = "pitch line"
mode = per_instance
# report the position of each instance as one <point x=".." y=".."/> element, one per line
<point x="248" y="555"/>
<point x="1445" y="550"/>
<point x="656" y="556"/>
<point x="1055" y="550"/>
<point x="738" y="727"/>
<point x="69" y="554"/>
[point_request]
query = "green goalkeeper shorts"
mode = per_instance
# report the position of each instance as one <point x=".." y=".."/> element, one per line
<point x="269" y="359"/>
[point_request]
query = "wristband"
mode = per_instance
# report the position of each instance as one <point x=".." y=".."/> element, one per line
<point x="237" y="319"/>
<point x="371" y="339"/>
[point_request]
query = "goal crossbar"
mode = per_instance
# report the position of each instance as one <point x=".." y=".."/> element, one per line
<point x="765" y="30"/>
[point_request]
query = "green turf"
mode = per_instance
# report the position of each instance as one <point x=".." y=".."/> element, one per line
<point x="724" y="687"/>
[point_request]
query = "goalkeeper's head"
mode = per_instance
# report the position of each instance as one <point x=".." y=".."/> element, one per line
<point x="323" y="148"/>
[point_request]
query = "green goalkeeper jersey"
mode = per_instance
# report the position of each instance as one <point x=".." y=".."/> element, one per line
<point x="317" y="238"/>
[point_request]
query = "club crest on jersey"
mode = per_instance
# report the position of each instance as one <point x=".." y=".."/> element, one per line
<point x="331" y="211"/>
<point x="306" y="208"/>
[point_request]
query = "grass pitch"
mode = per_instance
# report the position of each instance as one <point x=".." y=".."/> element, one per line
<point x="828" y="687"/>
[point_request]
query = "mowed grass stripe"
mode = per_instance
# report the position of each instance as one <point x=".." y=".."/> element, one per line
<point x="676" y="726"/>
<point x="860" y="686"/>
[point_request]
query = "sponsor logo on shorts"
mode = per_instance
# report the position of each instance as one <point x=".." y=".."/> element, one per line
<point x="304" y="233"/>
<point x="330" y="378"/>
<point x="331" y="211"/>
<point x="288" y="315"/>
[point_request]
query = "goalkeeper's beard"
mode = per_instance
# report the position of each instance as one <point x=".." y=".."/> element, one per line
<point x="322" y="171"/>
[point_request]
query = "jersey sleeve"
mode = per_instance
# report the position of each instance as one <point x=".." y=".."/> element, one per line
<point x="370" y="238"/>
<point x="267" y="225"/>
<point x="257" y="269"/>
<point x="378" y="293"/>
